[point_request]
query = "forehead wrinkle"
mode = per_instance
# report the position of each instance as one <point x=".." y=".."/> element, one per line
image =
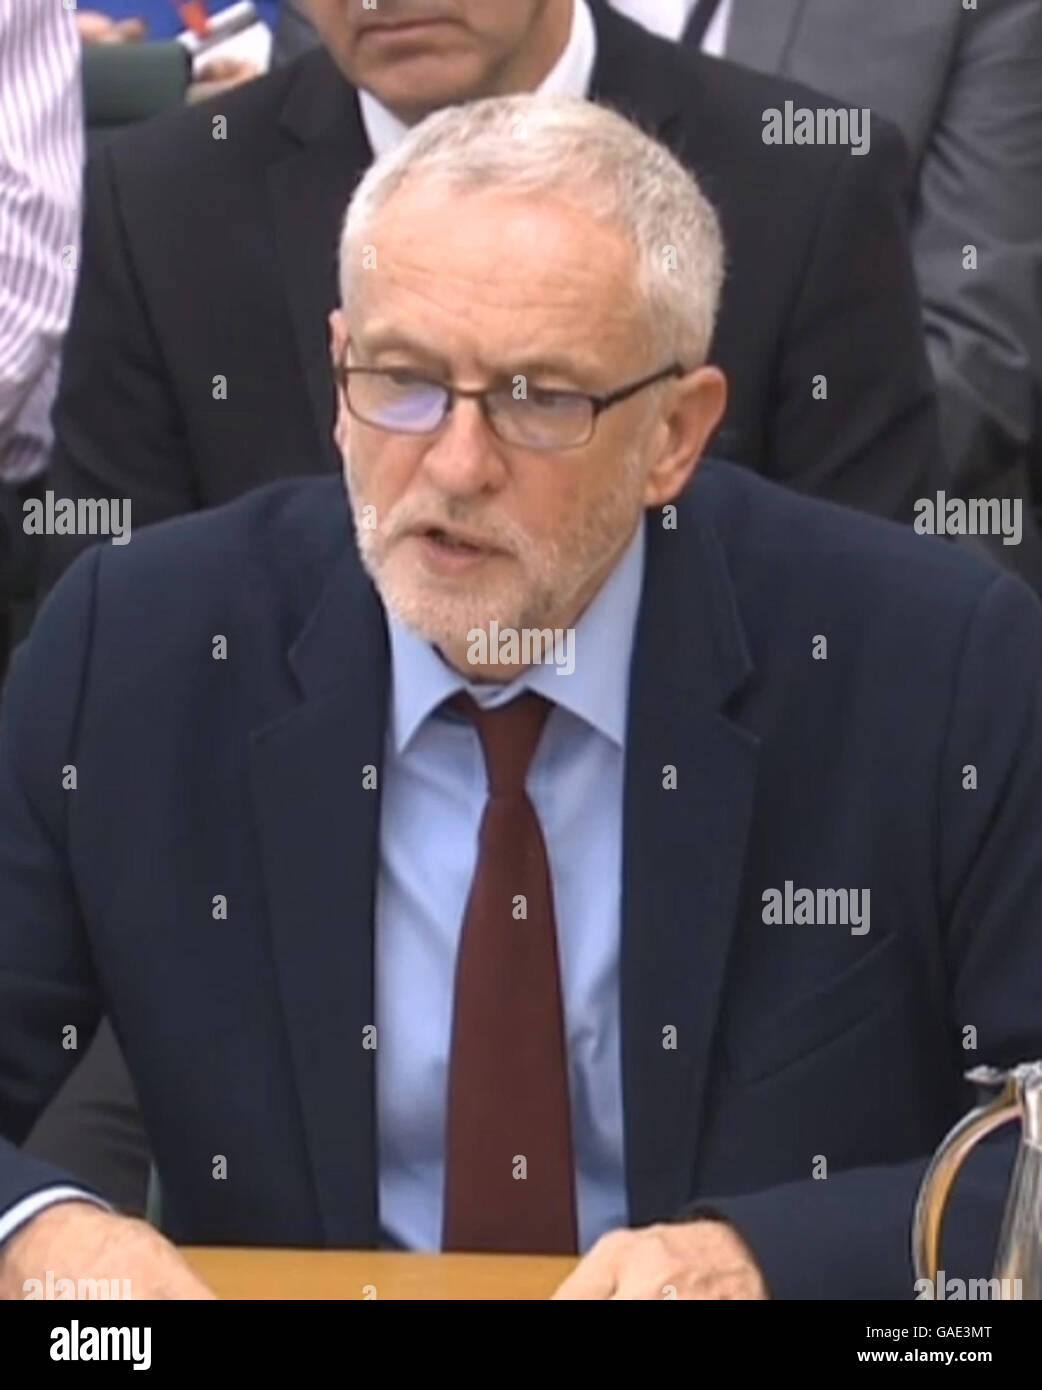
<point x="583" y="252"/>
<point x="591" y="297"/>
<point x="554" y="286"/>
<point x="522" y="344"/>
<point x="603" y="321"/>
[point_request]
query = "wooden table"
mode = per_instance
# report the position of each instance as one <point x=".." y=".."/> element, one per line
<point x="342" y="1274"/>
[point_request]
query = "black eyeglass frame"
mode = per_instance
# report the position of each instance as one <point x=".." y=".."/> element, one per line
<point x="598" y="404"/>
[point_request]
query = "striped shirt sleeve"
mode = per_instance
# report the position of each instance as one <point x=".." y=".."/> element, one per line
<point x="41" y="171"/>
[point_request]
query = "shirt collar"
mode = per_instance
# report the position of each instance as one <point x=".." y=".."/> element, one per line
<point x="596" y="691"/>
<point x="570" y="76"/>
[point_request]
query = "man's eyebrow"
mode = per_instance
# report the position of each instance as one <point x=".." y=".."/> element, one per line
<point x="376" y="344"/>
<point x="574" y="369"/>
<point x="580" y="371"/>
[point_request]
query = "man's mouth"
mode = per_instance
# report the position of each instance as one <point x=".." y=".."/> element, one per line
<point x="403" y="26"/>
<point x="454" y="540"/>
<point x="444" y="547"/>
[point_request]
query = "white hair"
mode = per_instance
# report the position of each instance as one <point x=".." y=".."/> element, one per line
<point x="589" y="156"/>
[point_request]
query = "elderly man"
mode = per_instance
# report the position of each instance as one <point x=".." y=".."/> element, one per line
<point x="237" y="207"/>
<point x="572" y="860"/>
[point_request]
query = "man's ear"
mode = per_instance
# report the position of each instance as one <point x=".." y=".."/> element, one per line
<point x="696" y="407"/>
<point x="338" y="336"/>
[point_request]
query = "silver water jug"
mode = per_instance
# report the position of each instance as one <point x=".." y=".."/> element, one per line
<point x="1018" y="1258"/>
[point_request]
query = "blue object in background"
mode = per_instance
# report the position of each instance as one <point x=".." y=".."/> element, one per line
<point x="162" y="17"/>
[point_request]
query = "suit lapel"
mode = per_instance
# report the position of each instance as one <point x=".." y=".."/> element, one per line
<point x="760" y="32"/>
<point x="629" y="74"/>
<point x="309" y="186"/>
<point x="683" y="851"/>
<point x="318" y="832"/>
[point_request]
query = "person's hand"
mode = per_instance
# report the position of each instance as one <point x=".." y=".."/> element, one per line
<point x="96" y="27"/>
<point x="79" y="1241"/>
<point x="693" y="1259"/>
<point x="219" y="75"/>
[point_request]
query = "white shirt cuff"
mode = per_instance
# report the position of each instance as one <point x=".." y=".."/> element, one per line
<point x="23" y="1211"/>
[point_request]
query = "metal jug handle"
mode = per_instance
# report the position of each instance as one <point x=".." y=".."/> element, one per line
<point x="944" y="1167"/>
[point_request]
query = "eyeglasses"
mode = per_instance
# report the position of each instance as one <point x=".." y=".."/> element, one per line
<point x="403" y="402"/>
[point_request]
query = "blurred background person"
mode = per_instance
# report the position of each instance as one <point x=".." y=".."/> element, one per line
<point x="41" y="161"/>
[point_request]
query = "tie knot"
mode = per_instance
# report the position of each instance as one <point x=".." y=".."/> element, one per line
<point x="509" y="735"/>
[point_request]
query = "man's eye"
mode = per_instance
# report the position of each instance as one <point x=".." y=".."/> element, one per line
<point x="546" y="398"/>
<point x="406" y="379"/>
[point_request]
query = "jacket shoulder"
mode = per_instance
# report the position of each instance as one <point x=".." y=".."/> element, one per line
<point x="267" y="554"/>
<point x="291" y="521"/>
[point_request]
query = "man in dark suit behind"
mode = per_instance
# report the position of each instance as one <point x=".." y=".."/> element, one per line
<point x="371" y="991"/>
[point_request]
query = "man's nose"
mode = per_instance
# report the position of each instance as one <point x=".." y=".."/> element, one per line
<point x="464" y="456"/>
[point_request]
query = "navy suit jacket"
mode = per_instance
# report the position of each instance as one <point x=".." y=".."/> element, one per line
<point x="243" y="778"/>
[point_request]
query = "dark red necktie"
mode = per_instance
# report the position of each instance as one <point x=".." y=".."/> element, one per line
<point x="509" y="1167"/>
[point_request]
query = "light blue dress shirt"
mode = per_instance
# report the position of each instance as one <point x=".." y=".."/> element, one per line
<point x="434" y="792"/>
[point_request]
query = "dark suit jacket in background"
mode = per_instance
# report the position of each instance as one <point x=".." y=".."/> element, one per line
<point x="965" y="88"/>
<point x="243" y="777"/>
<point x="205" y="258"/>
<point x="293" y="35"/>
<point x="6" y="578"/>
<point x="19" y="555"/>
